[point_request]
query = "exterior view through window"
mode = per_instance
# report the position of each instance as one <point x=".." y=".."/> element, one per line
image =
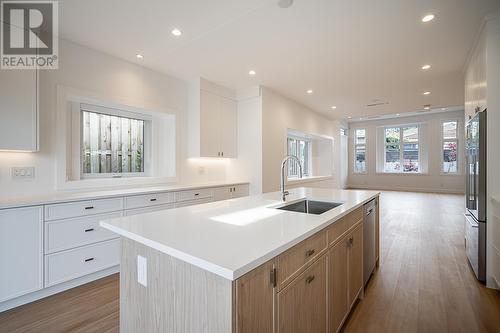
<point x="450" y="147"/>
<point x="112" y="144"/>
<point x="401" y="149"/>
<point x="360" y="151"/>
<point x="301" y="148"/>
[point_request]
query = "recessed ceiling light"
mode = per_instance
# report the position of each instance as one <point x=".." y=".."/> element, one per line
<point x="139" y="56"/>
<point x="176" y="32"/>
<point x="444" y="109"/>
<point x="428" y="18"/>
<point x="349" y="117"/>
<point x="360" y="118"/>
<point x="424" y="67"/>
<point x="397" y="114"/>
<point x="309" y="91"/>
<point x="427" y="107"/>
<point x="333" y="107"/>
<point x="285" y="3"/>
<point x="252" y="72"/>
<point x="427" y="93"/>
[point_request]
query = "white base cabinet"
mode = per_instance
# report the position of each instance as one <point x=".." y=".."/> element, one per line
<point x="51" y="248"/>
<point x="21" y="251"/>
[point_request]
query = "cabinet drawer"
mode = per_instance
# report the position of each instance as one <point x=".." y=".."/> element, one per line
<point x="354" y="217"/>
<point x="64" y="266"/>
<point x="192" y="202"/>
<point x="292" y="261"/>
<point x="67" y="234"/>
<point x="82" y="208"/>
<point x="193" y="195"/>
<point x="147" y="200"/>
<point x="145" y="210"/>
<point x="336" y="230"/>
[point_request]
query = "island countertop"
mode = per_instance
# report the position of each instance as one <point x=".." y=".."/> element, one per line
<point x="232" y="237"/>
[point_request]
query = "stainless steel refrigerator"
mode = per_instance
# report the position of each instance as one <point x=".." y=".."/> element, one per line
<point x="475" y="218"/>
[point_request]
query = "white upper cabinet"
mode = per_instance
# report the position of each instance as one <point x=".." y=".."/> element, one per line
<point x="19" y="110"/>
<point x="475" y="80"/>
<point x="212" y="121"/>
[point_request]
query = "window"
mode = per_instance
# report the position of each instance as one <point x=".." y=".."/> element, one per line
<point x="112" y="145"/>
<point x="360" y="151"/>
<point x="450" y="146"/>
<point x="301" y="148"/>
<point x="401" y="151"/>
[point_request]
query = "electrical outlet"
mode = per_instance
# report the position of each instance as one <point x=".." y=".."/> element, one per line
<point x="23" y="172"/>
<point x="142" y="271"/>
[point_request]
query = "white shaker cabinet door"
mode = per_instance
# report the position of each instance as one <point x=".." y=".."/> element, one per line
<point x="18" y="110"/>
<point x="209" y="125"/>
<point x="21" y="256"/>
<point x="228" y="128"/>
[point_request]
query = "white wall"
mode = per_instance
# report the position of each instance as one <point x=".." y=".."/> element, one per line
<point x="278" y="115"/>
<point x="114" y="80"/>
<point x="432" y="180"/>
<point x="248" y="165"/>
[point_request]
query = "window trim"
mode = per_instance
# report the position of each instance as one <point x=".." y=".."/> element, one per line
<point x="355" y="145"/>
<point x="441" y="150"/>
<point x="401" y="149"/>
<point x="309" y="157"/>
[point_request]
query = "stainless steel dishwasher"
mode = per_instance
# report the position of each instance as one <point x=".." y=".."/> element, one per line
<point x="369" y="239"/>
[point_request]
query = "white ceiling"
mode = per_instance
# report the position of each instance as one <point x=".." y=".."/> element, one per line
<point x="350" y="52"/>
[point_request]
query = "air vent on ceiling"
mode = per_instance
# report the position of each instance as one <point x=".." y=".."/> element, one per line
<point x="372" y="117"/>
<point x="376" y="104"/>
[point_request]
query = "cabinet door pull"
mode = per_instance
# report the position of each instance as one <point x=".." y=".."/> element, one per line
<point x="89" y="229"/>
<point x="230" y="189"/>
<point x="89" y="207"/>
<point x="196" y="194"/>
<point x="153" y="199"/>
<point x="272" y="277"/>
<point x="222" y="154"/>
<point x="310" y="279"/>
<point x="310" y="252"/>
<point x="89" y="259"/>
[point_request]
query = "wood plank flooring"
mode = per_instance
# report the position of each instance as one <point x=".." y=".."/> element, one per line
<point x="424" y="283"/>
<point x="91" y="308"/>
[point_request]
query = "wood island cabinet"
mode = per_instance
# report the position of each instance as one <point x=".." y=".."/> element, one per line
<point x="311" y="287"/>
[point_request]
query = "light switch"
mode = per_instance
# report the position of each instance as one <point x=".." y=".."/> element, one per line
<point x="23" y="172"/>
<point x="142" y="271"/>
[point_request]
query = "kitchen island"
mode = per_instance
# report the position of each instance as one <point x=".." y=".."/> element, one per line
<point x="242" y="265"/>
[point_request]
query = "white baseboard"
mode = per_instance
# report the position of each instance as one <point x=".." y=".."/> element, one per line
<point x="405" y="189"/>
<point x="31" y="297"/>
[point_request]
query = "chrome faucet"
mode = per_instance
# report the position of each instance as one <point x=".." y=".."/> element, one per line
<point x="282" y="184"/>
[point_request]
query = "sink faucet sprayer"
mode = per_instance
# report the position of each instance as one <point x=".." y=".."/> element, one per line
<point x="282" y="184"/>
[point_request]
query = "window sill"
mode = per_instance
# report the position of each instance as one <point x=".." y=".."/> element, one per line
<point x="310" y="179"/>
<point x="106" y="183"/>
<point x="403" y="173"/>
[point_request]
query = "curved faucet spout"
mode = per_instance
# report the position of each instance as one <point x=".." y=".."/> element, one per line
<point x="284" y="193"/>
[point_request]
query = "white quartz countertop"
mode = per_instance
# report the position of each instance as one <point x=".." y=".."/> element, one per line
<point x="232" y="237"/>
<point x="68" y="196"/>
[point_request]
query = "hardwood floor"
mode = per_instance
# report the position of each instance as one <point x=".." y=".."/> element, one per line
<point x="92" y="308"/>
<point x="424" y="283"/>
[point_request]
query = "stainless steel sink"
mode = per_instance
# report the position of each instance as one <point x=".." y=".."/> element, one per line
<point x="310" y="206"/>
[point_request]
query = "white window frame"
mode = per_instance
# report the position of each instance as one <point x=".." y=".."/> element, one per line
<point x="356" y="145"/>
<point x="401" y="151"/>
<point x="448" y="140"/>
<point x="309" y="156"/>
<point x="77" y="116"/>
